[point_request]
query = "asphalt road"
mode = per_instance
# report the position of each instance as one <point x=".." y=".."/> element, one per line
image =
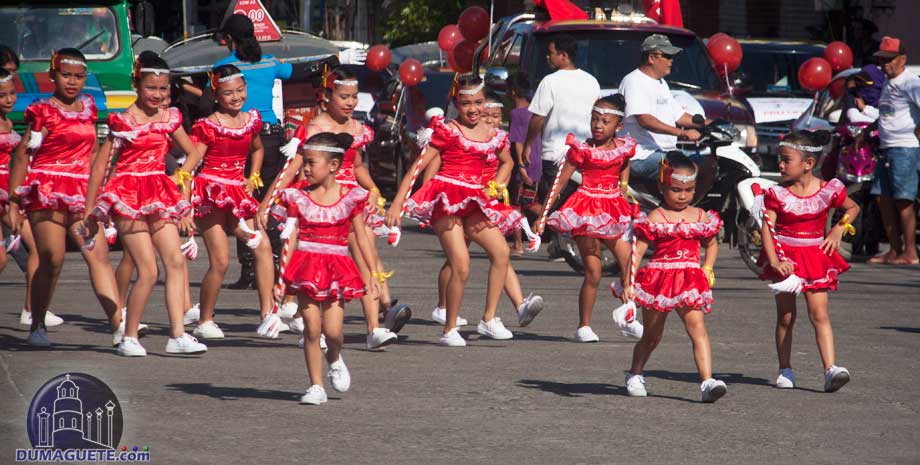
<point x="537" y="399"/>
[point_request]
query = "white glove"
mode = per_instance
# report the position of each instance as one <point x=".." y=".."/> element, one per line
<point x="290" y="226"/>
<point x="111" y="234"/>
<point x="12" y="242"/>
<point x="270" y="326"/>
<point x="255" y="237"/>
<point x="395" y="235"/>
<point x="35" y="140"/>
<point x="423" y="137"/>
<point x="290" y="149"/>
<point x="353" y="56"/>
<point x="190" y="249"/>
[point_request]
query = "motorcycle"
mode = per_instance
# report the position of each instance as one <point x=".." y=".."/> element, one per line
<point x="721" y="165"/>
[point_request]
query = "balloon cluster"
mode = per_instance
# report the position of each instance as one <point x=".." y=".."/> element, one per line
<point x="816" y="73"/>
<point x="410" y="71"/>
<point x="461" y="40"/>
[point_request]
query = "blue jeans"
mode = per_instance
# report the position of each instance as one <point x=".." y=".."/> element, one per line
<point x="896" y="173"/>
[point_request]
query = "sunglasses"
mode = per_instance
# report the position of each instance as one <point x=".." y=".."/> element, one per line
<point x="665" y="56"/>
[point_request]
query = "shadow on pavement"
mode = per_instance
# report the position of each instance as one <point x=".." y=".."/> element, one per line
<point x="232" y="393"/>
<point x="903" y="329"/>
<point x="573" y="389"/>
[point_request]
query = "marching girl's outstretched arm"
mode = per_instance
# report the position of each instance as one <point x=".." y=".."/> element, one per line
<point x="18" y="170"/>
<point x="563" y="178"/>
<point x="368" y="253"/>
<point x="395" y="212"/>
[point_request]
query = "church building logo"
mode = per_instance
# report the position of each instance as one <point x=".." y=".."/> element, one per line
<point x="75" y="411"/>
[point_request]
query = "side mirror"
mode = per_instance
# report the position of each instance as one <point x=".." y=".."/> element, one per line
<point x="497" y="77"/>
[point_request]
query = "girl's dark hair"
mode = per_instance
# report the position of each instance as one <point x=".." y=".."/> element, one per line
<point x="519" y="85"/>
<point x="7" y="55"/>
<point x="70" y="53"/>
<point x="809" y="138"/>
<point x="491" y="96"/>
<point x="4" y="73"/>
<point x="342" y="140"/>
<point x="677" y="160"/>
<point x="617" y="101"/>
<point x="247" y="49"/>
<point x="341" y="73"/>
<point x="220" y="72"/>
<point x="467" y="80"/>
<point x="149" y="59"/>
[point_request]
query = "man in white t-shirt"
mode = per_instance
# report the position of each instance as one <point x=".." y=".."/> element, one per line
<point x="561" y="105"/>
<point x="896" y="176"/>
<point x="653" y="116"/>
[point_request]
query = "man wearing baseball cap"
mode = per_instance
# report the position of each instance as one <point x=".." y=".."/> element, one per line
<point x="653" y="116"/>
<point x="896" y="172"/>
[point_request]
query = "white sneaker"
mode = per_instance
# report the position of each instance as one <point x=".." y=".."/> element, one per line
<point x="141" y="328"/>
<point x="25" y="318"/>
<point x="529" y="309"/>
<point x="624" y="317"/>
<point x="452" y="339"/>
<point x="339" y="376"/>
<point x="712" y="389"/>
<point x="835" y="378"/>
<point x="288" y="310"/>
<point x="586" y="334"/>
<point x="315" y="395"/>
<point x="396" y="317"/>
<point x="118" y="334"/>
<point x="379" y="338"/>
<point x="284" y="327"/>
<point x="785" y="379"/>
<point x="633" y="329"/>
<point x="185" y="344"/>
<point x="39" y="338"/>
<point x="208" y="330"/>
<point x="494" y="329"/>
<point x="635" y="385"/>
<point x="322" y="343"/>
<point x="131" y="347"/>
<point x="192" y="315"/>
<point x="440" y="315"/>
<point x="297" y="325"/>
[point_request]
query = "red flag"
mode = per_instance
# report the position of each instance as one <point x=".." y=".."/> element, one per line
<point x="561" y="9"/>
<point x="666" y="12"/>
<point x="265" y="28"/>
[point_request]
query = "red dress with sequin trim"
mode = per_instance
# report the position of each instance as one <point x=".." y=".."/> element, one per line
<point x="457" y="189"/>
<point x="596" y="209"/>
<point x="221" y="184"/>
<point x="139" y="187"/>
<point x="673" y="279"/>
<point x="59" y="169"/>
<point x="321" y="268"/>
<point x="8" y="142"/>
<point x="800" y="223"/>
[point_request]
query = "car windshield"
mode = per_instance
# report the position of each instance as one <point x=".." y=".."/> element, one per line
<point x="611" y="54"/>
<point x="33" y="32"/>
<point x="430" y="93"/>
<point x="775" y="71"/>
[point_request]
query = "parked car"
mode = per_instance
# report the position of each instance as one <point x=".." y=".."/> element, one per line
<point x="767" y="81"/>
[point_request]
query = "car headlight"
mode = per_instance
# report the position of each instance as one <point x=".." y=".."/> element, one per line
<point x="747" y="135"/>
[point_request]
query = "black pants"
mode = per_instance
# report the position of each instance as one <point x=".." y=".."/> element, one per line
<point x="271" y="165"/>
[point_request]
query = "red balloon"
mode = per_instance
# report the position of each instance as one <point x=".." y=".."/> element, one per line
<point x="463" y="56"/>
<point x="837" y="88"/>
<point x="411" y="72"/>
<point x="815" y="74"/>
<point x="474" y="23"/>
<point x="839" y="55"/>
<point x="449" y="37"/>
<point x="378" y="58"/>
<point x="725" y="52"/>
<point x="717" y="35"/>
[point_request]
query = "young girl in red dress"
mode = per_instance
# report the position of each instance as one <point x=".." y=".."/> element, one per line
<point x="9" y="140"/>
<point x="799" y="207"/>
<point x="526" y="309"/>
<point x="51" y="189"/>
<point x="145" y="205"/>
<point x="456" y="206"/>
<point x="597" y="212"/>
<point x="320" y="271"/>
<point x="673" y="279"/>
<point x="341" y="97"/>
<point x="222" y="195"/>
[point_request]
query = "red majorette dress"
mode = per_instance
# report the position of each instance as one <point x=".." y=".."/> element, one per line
<point x="59" y="170"/>
<point x="139" y="187"/>
<point x="8" y="142"/>
<point x="321" y="268"/>
<point x="673" y="279"/>
<point x="220" y="184"/>
<point x="457" y="189"/>
<point x="597" y="208"/>
<point x="800" y="223"/>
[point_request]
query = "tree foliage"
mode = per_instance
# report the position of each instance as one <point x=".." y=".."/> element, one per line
<point x="413" y="21"/>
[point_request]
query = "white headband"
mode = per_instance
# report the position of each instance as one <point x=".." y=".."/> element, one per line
<point x="608" y="111"/>
<point x="324" y="148"/>
<point x="230" y="77"/>
<point x="493" y="105"/>
<point x="70" y="61"/>
<point x="157" y="71"/>
<point x="6" y="79"/>
<point x="472" y="91"/>
<point x="683" y="178"/>
<point x="350" y="82"/>
<point x="804" y="148"/>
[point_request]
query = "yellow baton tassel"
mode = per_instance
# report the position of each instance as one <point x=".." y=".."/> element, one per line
<point x="256" y="180"/>
<point x="181" y="177"/>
